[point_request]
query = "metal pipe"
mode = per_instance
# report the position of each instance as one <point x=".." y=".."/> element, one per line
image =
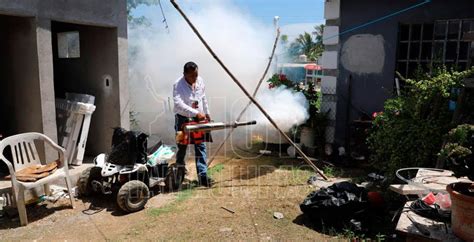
<point x="246" y="92"/>
<point x="215" y="126"/>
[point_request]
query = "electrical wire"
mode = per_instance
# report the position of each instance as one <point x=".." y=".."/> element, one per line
<point x="164" y="17"/>
<point x="417" y="184"/>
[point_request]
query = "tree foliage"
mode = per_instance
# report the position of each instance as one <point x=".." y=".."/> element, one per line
<point x="309" y="44"/>
<point x="138" y="20"/>
<point x="284" y="39"/>
<point x="410" y="131"/>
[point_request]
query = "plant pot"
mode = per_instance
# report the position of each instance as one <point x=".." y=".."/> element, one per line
<point x="462" y="210"/>
<point x="307" y="136"/>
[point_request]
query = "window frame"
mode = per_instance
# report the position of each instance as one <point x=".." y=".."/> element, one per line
<point x="432" y="42"/>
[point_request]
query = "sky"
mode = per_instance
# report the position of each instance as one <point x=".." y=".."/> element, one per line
<point x="296" y="16"/>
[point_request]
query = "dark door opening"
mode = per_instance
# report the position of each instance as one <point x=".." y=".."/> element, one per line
<point x="85" y="61"/>
<point x="20" y="100"/>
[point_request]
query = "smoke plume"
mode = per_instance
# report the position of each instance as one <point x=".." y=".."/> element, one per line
<point x="244" y="45"/>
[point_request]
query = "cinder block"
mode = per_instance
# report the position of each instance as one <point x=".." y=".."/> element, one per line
<point x="330" y="133"/>
<point x="329" y="60"/>
<point x="332" y="9"/>
<point x="328" y="84"/>
<point x="331" y="108"/>
<point x="331" y="35"/>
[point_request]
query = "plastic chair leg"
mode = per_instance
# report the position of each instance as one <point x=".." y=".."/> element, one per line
<point x="69" y="189"/>
<point x="47" y="190"/>
<point x="20" y="203"/>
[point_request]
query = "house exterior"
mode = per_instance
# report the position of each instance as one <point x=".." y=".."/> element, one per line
<point x="367" y="41"/>
<point x="301" y="72"/>
<point x="52" y="47"/>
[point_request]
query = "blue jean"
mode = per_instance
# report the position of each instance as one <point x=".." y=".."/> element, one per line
<point x="199" y="150"/>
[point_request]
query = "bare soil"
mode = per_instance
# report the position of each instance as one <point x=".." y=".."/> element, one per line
<point x="251" y="188"/>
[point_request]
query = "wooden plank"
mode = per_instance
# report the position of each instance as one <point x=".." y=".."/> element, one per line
<point x="430" y="180"/>
<point x="438" y="231"/>
<point x="405" y="189"/>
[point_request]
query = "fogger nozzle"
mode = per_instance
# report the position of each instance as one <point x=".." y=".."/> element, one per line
<point x="216" y="126"/>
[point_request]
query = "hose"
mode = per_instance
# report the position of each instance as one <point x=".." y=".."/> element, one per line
<point x="417" y="184"/>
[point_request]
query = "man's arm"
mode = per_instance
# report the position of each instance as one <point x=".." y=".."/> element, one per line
<point x="205" y="104"/>
<point x="180" y="107"/>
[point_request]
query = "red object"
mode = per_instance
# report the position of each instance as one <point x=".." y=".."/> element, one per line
<point x="313" y="67"/>
<point x="443" y="200"/>
<point x="196" y="137"/>
<point x="282" y="77"/>
<point x="375" y="199"/>
<point x="375" y="114"/>
<point x="429" y="199"/>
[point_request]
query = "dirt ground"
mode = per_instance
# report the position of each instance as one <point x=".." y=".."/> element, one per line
<point x="252" y="188"/>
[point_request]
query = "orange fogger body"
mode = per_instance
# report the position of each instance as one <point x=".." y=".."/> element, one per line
<point x="197" y="132"/>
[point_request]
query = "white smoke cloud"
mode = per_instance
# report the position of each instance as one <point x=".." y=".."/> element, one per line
<point x="243" y="44"/>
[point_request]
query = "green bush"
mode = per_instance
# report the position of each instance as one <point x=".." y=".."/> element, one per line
<point x="457" y="152"/>
<point x="409" y="133"/>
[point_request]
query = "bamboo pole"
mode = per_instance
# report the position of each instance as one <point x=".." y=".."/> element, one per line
<point x="306" y="159"/>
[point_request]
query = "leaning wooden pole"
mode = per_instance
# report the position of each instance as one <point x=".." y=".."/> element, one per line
<point x="298" y="150"/>
<point x="250" y="102"/>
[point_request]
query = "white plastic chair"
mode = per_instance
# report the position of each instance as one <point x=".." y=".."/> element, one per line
<point x="24" y="153"/>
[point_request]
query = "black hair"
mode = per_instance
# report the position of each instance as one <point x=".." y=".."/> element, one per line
<point x="190" y="66"/>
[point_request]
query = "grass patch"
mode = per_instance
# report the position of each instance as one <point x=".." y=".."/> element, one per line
<point x="215" y="169"/>
<point x="155" y="212"/>
<point x="300" y="176"/>
<point x="331" y="171"/>
<point x="185" y="194"/>
<point x="350" y="235"/>
<point x="182" y="196"/>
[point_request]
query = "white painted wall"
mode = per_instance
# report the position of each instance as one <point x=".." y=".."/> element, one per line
<point x="331" y="35"/>
<point x="363" y="54"/>
<point x="332" y="9"/>
<point x="329" y="60"/>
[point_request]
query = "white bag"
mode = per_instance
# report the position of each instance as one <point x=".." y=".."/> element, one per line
<point x="161" y="155"/>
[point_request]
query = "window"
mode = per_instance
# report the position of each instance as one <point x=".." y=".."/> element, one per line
<point x="440" y="43"/>
<point x="68" y="45"/>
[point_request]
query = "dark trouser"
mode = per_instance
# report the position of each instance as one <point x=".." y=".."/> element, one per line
<point x="199" y="149"/>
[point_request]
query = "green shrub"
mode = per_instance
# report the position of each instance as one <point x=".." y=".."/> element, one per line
<point x="409" y="133"/>
<point x="457" y="152"/>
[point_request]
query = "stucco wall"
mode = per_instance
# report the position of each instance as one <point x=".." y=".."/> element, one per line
<point x="92" y="12"/>
<point x="107" y="55"/>
<point x="368" y="54"/>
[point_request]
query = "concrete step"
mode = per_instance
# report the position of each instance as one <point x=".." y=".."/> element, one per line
<point x="33" y="194"/>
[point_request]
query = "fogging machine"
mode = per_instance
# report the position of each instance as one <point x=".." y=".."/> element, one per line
<point x="196" y="132"/>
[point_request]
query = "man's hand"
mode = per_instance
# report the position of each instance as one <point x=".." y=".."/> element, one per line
<point x="200" y="116"/>
<point x="208" y="117"/>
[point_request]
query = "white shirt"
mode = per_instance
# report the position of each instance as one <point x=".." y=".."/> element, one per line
<point x="184" y="95"/>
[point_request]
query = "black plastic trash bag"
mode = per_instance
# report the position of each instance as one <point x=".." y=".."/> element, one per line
<point x="128" y="147"/>
<point x="339" y="205"/>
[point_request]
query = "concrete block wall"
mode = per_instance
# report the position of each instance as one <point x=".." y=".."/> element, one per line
<point x="329" y="62"/>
